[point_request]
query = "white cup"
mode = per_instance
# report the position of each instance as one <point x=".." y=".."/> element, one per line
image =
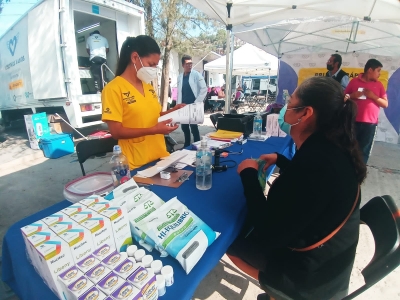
<point x="168" y="274"/>
<point x="156" y="265"/>
<point x="131" y="250"/>
<point x="160" y="279"/>
<point x="147" y="260"/>
<point x="139" y="255"/>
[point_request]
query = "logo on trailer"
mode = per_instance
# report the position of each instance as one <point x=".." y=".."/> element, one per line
<point x="12" y="44"/>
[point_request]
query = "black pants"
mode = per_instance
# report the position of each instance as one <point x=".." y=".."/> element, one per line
<point x="186" y="132"/>
<point x="95" y="69"/>
<point x="365" y="133"/>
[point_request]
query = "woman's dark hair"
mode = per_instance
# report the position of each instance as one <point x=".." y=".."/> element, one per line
<point x="144" y="45"/>
<point x="335" y="118"/>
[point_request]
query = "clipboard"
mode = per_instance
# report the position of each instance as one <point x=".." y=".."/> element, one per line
<point x="157" y="180"/>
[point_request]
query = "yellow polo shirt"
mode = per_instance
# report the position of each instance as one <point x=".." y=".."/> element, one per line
<point x="123" y="103"/>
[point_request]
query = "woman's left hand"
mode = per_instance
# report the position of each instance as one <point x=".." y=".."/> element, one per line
<point x="247" y="163"/>
<point x="178" y="106"/>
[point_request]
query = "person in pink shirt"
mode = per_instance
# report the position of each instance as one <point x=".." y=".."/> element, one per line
<point x="369" y="95"/>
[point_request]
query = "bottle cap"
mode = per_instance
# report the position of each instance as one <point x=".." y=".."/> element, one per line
<point x="139" y="255"/>
<point x="131" y="250"/>
<point x="147" y="260"/>
<point x="156" y="265"/>
<point x="117" y="149"/>
<point x="204" y="142"/>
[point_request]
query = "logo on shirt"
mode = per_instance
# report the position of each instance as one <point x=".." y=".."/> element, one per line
<point x="107" y="111"/>
<point x="153" y="92"/>
<point x="128" y="98"/>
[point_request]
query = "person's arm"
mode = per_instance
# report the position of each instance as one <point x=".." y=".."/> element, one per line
<point x="202" y="88"/>
<point x="293" y="202"/>
<point x="118" y="131"/>
<point x="88" y="51"/>
<point x="380" y="101"/>
<point x="345" y="81"/>
<point x="282" y="162"/>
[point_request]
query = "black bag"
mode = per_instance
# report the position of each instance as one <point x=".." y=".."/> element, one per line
<point x="239" y="122"/>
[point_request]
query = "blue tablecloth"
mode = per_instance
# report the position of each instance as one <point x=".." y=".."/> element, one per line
<point x="222" y="208"/>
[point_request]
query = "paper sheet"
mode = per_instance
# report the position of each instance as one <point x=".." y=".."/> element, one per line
<point x="190" y="114"/>
<point x="363" y="97"/>
<point x="161" y="165"/>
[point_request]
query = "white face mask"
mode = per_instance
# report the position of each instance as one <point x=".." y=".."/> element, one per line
<point x="146" y="74"/>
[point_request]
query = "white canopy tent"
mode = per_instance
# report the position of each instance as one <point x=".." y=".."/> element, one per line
<point x="249" y="18"/>
<point x="247" y="60"/>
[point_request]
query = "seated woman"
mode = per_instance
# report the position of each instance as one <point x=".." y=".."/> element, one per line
<point x="293" y="240"/>
<point x="239" y="94"/>
<point x="130" y="104"/>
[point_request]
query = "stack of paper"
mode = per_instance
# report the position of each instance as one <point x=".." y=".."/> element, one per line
<point x="260" y="138"/>
<point x="162" y="165"/>
<point x="212" y="144"/>
<point x="189" y="114"/>
<point x="188" y="160"/>
<point x="225" y="135"/>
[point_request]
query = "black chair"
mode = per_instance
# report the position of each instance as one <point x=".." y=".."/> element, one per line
<point x="382" y="217"/>
<point x="88" y="148"/>
<point x="214" y="118"/>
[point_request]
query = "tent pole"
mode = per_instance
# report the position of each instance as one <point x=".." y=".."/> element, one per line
<point x="229" y="59"/>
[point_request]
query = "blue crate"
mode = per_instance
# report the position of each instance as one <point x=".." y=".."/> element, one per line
<point x="57" y="145"/>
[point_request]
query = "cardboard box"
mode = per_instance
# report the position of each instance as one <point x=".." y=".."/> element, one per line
<point x="87" y="263"/>
<point x="94" y="293"/>
<point x="68" y="277"/>
<point x="84" y="215"/>
<point x="60" y="127"/>
<point x="127" y="291"/>
<point x="61" y="227"/>
<point x="55" y="218"/>
<point x="36" y="127"/>
<point x="102" y="233"/>
<point x="91" y="200"/>
<point x="104" y="251"/>
<point x="73" y="209"/>
<point x="29" y="230"/>
<point x="34" y="241"/>
<point x="55" y="258"/>
<point x="110" y="283"/>
<point x="126" y="268"/>
<point x="80" y="242"/>
<point x="145" y="282"/>
<point x="114" y="259"/>
<point x="118" y="217"/>
<point x="97" y="273"/>
<point x="79" y="287"/>
<point x="100" y="206"/>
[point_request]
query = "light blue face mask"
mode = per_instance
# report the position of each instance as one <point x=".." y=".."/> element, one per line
<point x="286" y="127"/>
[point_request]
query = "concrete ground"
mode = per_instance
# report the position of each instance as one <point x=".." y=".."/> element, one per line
<point x="29" y="182"/>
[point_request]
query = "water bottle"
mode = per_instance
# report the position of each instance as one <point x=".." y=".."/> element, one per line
<point x="257" y="126"/>
<point x="203" y="166"/>
<point x="119" y="167"/>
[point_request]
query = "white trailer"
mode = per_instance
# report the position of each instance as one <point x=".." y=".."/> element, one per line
<point x="43" y="61"/>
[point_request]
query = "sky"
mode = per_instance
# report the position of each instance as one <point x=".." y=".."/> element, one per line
<point x="12" y="11"/>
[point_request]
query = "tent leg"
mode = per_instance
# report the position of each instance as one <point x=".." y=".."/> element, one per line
<point x="228" y="77"/>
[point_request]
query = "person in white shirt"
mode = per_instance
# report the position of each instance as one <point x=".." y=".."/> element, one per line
<point x="191" y="88"/>
<point x="97" y="48"/>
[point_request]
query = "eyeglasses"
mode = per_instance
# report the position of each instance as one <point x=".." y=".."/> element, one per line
<point x="298" y="107"/>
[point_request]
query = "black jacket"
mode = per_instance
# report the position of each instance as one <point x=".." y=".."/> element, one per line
<point x="312" y="196"/>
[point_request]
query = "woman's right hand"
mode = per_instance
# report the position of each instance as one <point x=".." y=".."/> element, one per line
<point x="164" y="127"/>
<point x="270" y="159"/>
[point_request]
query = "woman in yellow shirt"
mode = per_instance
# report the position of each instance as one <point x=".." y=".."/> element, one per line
<point x="130" y="104"/>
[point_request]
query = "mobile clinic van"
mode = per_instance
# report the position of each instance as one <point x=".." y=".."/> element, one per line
<point x="44" y="66"/>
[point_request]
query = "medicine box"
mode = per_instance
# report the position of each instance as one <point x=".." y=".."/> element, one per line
<point x="101" y="230"/>
<point x="110" y="283"/>
<point x="97" y="273"/>
<point x="68" y="277"/>
<point x="80" y="242"/>
<point x="104" y="251"/>
<point x="57" y="145"/>
<point x="29" y="230"/>
<point x="93" y="293"/>
<point x="73" y="209"/>
<point x="100" y="206"/>
<point x="93" y="199"/>
<point x="55" y="218"/>
<point x="79" y="287"/>
<point x="118" y="217"/>
<point x="84" y="215"/>
<point x="126" y="268"/>
<point x="127" y="291"/>
<point x="55" y="258"/>
<point x="145" y="282"/>
<point x="36" y="127"/>
<point x="87" y="263"/>
<point x="114" y="259"/>
<point x="61" y="227"/>
<point x="34" y="241"/>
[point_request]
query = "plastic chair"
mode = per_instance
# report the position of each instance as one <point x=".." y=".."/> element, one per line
<point x="382" y="216"/>
<point x="88" y="148"/>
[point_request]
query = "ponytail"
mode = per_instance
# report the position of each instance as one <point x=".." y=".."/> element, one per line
<point x="334" y="117"/>
<point x="142" y="44"/>
<point x="342" y="133"/>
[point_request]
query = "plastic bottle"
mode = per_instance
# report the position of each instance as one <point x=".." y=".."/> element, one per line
<point x="119" y="167"/>
<point x="203" y="166"/>
<point x="257" y="125"/>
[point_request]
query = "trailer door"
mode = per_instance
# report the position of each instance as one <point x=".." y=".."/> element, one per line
<point x="45" y="52"/>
